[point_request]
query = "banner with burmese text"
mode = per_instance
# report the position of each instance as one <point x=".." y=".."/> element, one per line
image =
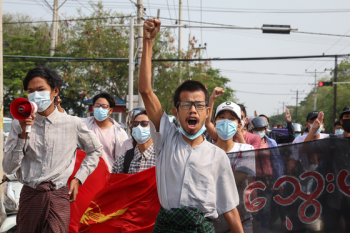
<point x="292" y="188"/>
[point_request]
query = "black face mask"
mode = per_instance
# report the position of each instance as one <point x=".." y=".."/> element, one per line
<point x="346" y="125"/>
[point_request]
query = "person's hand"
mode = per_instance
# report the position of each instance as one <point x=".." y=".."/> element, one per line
<point x="73" y="191"/>
<point x="57" y="101"/>
<point x="255" y="113"/>
<point x="239" y="130"/>
<point x="318" y="121"/>
<point x="218" y="91"/>
<point x="150" y="28"/>
<point x="24" y="123"/>
<point x="288" y="116"/>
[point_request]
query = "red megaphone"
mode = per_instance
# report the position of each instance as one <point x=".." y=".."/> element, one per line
<point x="22" y="108"/>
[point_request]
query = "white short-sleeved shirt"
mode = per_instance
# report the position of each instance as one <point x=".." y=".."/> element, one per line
<point x="199" y="177"/>
<point x="302" y="138"/>
<point x="238" y="162"/>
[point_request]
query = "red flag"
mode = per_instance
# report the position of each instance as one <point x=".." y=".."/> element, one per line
<point x="128" y="203"/>
<point x="93" y="184"/>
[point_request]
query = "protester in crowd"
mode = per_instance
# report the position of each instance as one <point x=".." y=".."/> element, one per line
<point x="343" y="131"/>
<point x="274" y="126"/>
<point x="227" y="124"/>
<point x="194" y="178"/>
<point x="109" y="132"/>
<point x="298" y="128"/>
<point x="142" y="156"/>
<point x="314" y="124"/>
<point x="269" y="167"/>
<point x="44" y="158"/>
<point x="279" y="127"/>
<point x="337" y="202"/>
<point x="242" y="136"/>
<point x="280" y="137"/>
<point x="338" y="128"/>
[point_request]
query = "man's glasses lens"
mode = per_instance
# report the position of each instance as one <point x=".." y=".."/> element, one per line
<point x="101" y="105"/>
<point x="143" y="123"/>
<point x="200" y="105"/>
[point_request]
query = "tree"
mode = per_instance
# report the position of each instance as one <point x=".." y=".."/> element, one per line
<point x="325" y="97"/>
<point x="85" y="37"/>
<point x="21" y="39"/>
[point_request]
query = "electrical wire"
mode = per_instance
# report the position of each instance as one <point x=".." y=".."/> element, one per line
<point x="258" y="93"/>
<point x="188" y="11"/>
<point x="84" y="6"/>
<point x="251" y="72"/>
<point x="245" y="10"/>
<point x="175" y="12"/>
<point x="68" y="20"/>
<point x="201" y="24"/>
<point x="254" y="83"/>
<point x="176" y="60"/>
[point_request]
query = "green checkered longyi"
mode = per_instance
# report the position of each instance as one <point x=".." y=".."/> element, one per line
<point x="182" y="220"/>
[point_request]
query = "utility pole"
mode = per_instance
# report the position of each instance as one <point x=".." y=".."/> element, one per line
<point x="180" y="40"/>
<point x="131" y="65"/>
<point x="1" y="94"/>
<point x="278" y="111"/>
<point x="296" y="104"/>
<point x="315" y="84"/>
<point x="188" y="63"/>
<point x="54" y="32"/>
<point x="139" y="42"/>
<point x="335" y="89"/>
<point x="283" y="105"/>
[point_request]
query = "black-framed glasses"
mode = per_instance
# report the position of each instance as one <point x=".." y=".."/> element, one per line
<point x="185" y="105"/>
<point x="97" y="105"/>
<point x="137" y="123"/>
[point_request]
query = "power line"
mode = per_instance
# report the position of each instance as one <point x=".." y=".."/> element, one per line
<point x="83" y="6"/>
<point x="68" y="20"/>
<point x="321" y="34"/>
<point x="176" y="60"/>
<point x="247" y="10"/>
<point x="258" y="93"/>
<point x="188" y="11"/>
<point x="251" y="72"/>
<point x="254" y="83"/>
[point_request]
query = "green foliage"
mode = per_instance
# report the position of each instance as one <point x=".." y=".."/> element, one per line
<point x="325" y="98"/>
<point x="167" y="77"/>
<point x="21" y="39"/>
<point x="97" y="39"/>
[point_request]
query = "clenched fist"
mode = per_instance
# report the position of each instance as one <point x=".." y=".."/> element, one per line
<point x="150" y="28"/>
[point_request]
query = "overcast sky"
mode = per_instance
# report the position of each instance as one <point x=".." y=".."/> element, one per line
<point x="263" y="77"/>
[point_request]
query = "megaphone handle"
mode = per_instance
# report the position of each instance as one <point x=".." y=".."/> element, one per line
<point x="28" y="128"/>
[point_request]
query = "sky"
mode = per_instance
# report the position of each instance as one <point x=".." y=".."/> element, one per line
<point x="269" y="83"/>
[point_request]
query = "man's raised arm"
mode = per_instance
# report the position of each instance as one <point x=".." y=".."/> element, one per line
<point x="154" y="110"/>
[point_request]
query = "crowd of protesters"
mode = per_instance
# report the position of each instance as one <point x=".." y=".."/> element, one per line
<point x="199" y="174"/>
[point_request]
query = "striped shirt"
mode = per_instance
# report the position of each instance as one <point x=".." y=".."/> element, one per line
<point x="50" y="150"/>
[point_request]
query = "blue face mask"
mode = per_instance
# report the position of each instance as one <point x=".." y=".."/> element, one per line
<point x="141" y="134"/>
<point x="226" y="129"/>
<point x="41" y="98"/>
<point x="318" y="131"/>
<point x="297" y="135"/>
<point x="194" y="136"/>
<point x="339" y="131"/>
<point x="260" y="133"/>
<point x="100" y="114"/>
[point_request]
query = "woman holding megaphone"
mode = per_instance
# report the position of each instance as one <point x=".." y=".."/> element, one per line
<point x="44" y="157"/>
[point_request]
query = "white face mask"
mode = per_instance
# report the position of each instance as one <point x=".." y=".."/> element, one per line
<point x="42" y="99"/>
<point x="243" y="123"/>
